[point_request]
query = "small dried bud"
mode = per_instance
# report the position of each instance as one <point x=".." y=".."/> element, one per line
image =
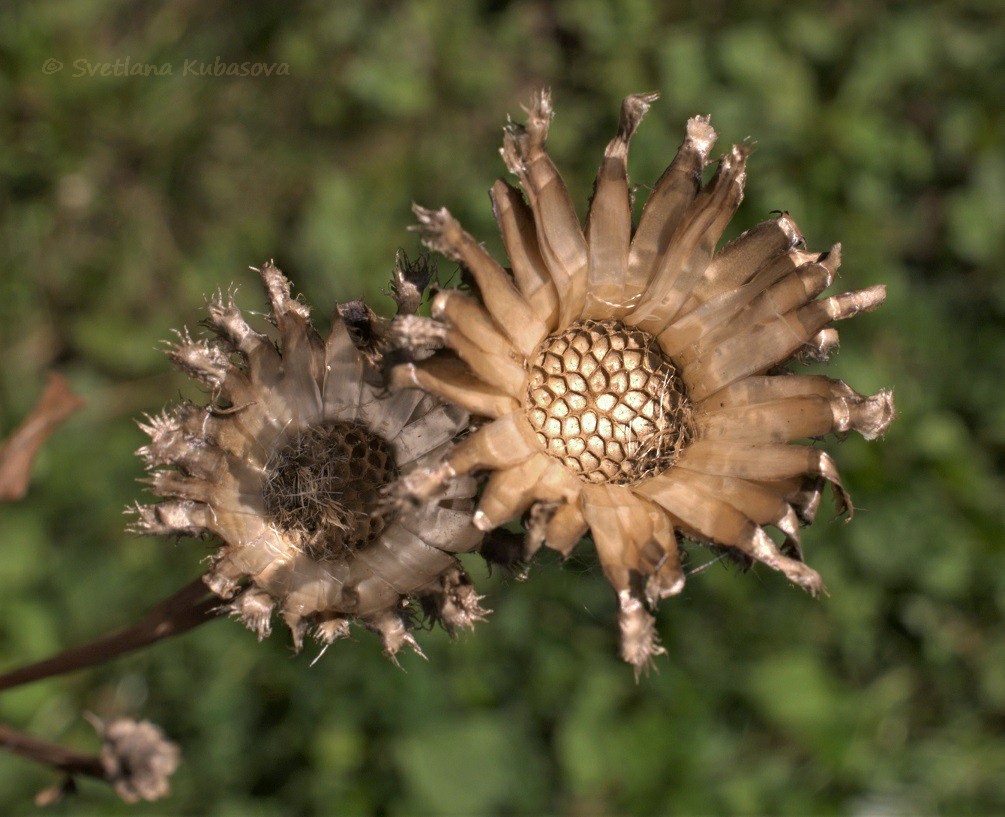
<point x="138" y="759"/>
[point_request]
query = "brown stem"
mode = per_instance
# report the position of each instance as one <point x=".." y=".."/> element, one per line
<point x="189" y="607"/>
<point x="51" y="754"/>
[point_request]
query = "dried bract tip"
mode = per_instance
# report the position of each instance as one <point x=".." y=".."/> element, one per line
<point x="422" y="484"/>
<point x="226" y="319"/>
<point x="874" y="415"/>
<point x="366" y="328"/>
<point x="392" y="628"/>
<point x="416" y="336"/>
<point x="701" y="136"/>
<point x="633" y="109"/>
<point x="795" y="236"/>
<point x="279" y="290"/>
<point x="831" y="260"/>
<point x="331" y="629"/>
<point x="539" y="116"/>
<point x="667" y="580"/>
<point x="820" y="347"/>
<point x="849" y="304"/>
<point x="505" y="549"/>
<point x="439" y="230"/>
<point x="869" y="416"/>
<point x="254" y="610"/>
<point x="179" y="517"/>
<point x="200" y="359"/>
<point x="409" y="280"/>
<point x="455" y="603"/>
<point x="298" y="627"/>
<point x="536" y="527"/>
<point x="639" y="640"/>
<point x="733" y="168"/>
<point x="220" y="584"/>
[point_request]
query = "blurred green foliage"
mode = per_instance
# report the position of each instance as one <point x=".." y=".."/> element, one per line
<point x="125" y="199"/>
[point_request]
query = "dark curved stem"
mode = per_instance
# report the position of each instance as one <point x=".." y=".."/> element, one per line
<point x="50" y="754"/>
<point x="189" y="607"/>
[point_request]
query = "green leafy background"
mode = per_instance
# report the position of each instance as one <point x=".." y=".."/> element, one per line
<point x="126" y="199"/>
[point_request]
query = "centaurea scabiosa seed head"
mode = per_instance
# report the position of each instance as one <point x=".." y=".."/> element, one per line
<point x="290" y="464"/>
<point x="634" y="376"/>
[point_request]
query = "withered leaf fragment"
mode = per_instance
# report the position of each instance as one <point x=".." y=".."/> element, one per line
<point x="18" y="453"/>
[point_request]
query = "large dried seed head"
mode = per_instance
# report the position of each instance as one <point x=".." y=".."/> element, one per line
<point x="633" y="375"/>
<point x="326" y="484"/>
<point x="606" y="401"/>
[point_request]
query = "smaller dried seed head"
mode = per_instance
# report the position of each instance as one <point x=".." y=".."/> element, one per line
<point x="138" y="759"/>
<point x="326" y="486"/>
<point x="606" y="401"/>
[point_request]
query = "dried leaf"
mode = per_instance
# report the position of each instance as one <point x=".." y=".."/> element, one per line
<point x="17" y="455"/>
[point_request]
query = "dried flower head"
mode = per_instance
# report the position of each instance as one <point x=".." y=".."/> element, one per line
<point x="290" y="463"/>
<point x="633" y="376"/>
<point x="138" y="759"/>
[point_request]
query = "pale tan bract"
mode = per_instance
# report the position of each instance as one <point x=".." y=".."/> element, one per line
<point x="289" y="465"/>
<point x="632" y="375"/>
